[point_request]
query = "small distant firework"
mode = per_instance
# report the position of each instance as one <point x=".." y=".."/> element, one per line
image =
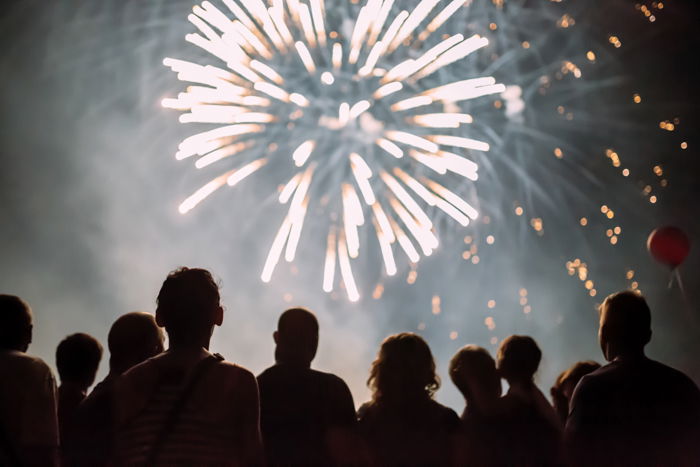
<point x="341" y="107"/>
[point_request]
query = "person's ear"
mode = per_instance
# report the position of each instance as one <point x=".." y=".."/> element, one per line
<point x="276" y="337"/>
<point x="219" y="315"/>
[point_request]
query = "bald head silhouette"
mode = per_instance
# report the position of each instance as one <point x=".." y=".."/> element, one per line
<point x="133" y="338"/>
<point x="296" y="337"/>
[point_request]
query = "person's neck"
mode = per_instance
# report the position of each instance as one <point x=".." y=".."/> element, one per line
<point x="472" y="408"/>
<point x="74" y="386"/>
<point x="521" y="388"/>
<point x="188" y="345"/>
<point x="187" y="349"/>
<point x="296" y="363"/>
<point x="521" y="384"/>
<point x="631" y="355"/>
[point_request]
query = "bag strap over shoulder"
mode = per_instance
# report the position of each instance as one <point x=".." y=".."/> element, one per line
<point x="176" y="411"/>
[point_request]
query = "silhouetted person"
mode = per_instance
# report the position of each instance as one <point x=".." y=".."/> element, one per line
<point x="565" y="384"/>
<point x="473" y="371"/>
<point x="306" y="416"/>
<point x="402" y="424"/>
<point x="77" y="359"/>
<point x="28" y="420"/>
<point x="632" y="411"/>
<point x="133" y="338"/>
<point x="188" y="406"/>
<point x="532" y="429"/>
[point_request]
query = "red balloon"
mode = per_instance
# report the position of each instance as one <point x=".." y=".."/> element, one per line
<point x="669" y="245"/>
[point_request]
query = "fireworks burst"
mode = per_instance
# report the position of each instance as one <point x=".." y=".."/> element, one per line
<point x="365" y="114"/>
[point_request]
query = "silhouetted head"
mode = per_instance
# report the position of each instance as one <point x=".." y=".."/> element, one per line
<point x="625" y="325"/>
<point x="565" y="384"/>
<point x="473" y="371"/>
<point x="296" y="337"/>
<point x="77" y="359"/>
<point x="133" y="338"/>
<point x="403" y="371"/>
<point x="518" y="359"/>
<point x="188" y="307"/>
<point x="15" y="323"/>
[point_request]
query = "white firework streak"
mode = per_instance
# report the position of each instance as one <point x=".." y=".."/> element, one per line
<point x="351" y="107"/>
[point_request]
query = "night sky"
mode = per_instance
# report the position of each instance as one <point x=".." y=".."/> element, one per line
<point x="89" y="190"/>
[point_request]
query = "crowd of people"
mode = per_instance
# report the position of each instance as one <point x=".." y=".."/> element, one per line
<point x="188" y="406"/>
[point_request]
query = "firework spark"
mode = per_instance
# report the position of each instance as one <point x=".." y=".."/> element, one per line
<point x="372" y="103"/>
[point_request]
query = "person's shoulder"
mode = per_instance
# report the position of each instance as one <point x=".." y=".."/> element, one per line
<point x="600" y="377"/>
<point x="232" y="377"/>
<point x="446" y="413"/>
<point x="671" y="376"/>
<point x="666" y="370"/>
<point x="234" y="370"/>
<point x="24" y="359"/>
<point x="26" y="364"/>
<point x="269" y="373"/>
<point x="334" y="381"/>
<point x="140" y="373"/>
<point x="366" y="410"/>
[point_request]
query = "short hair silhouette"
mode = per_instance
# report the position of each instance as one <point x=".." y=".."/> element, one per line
<point x="473" y="364"/>
<point x="296" y="336"/>
<point x="625" y="323"/>
<point x="518" y="358"/>
<point x="403" y="370"/>
<point x="133" y="338"/>
<point x="187" y="303"/>
<point x="574" y="374"/>
<point x="566" y="382"/>
<point x="77" y="358"/>
<point x="15" y="323"/>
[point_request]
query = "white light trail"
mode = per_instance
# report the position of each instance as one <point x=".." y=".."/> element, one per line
<point x="273" y="256"/>
<point x="406" y="199"/>
<point x="199" y="195"/>
<point x="387" y="89"/>
<point x="441" y="17"/>
<point x="456" y="200"/>
<point x="441" y="120"/>
<point x="358" y="108"/>
<point x="289" y="188"/>
<point x="387" y="252"/>
<point x="266" y="71"/>
<point x="412" y="140"/>
<point x="301" y="154"/>
<point x="317" y="15"/>
<point x="272" y="90"/>
<point x="390" y="147"/>
<point x="411" y="103"/>
<point x="337" y="57"/>
<point x="378" y="23"/>
<point x="221" y="153"/>
<point x="307" y="25"/>
<point x="346" y="270"/>
<point x="329" y="266"/>
<point x="405" y="242"/>
<point x="414" y="19"/>
<point x="305" y="56"/>
<point x="460" y="142"/>
<point x="245" y="171"/>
